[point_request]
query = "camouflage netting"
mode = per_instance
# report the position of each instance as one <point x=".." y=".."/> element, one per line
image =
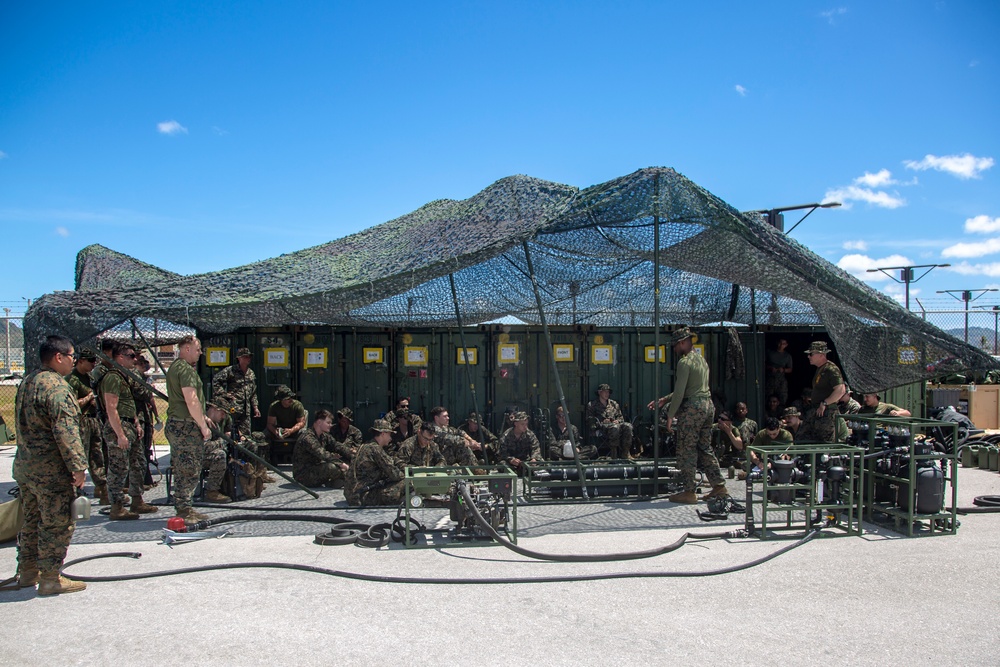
<point x="593" y="256"/>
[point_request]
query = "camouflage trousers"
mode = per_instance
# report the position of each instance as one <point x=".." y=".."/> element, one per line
<point x="189" y="455"/>
<point x="819" y="429"/>
<point x="93" y="444"/>
<point x="694" y="443"/>
<point x="124" y="465"/>
<point x="618" y="438"/>
<point x="242" y="424"/>
<point x="48" y="521"/>
<point x="322" y="474"/>
<point x="776" y="384"/>
<point x="387" y="495"/>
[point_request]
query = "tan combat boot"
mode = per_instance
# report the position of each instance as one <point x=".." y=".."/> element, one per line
<point x="719" y="491"/>
<point x="51" y="583"/>
<point x="119" y="513"/>
<point x="140" y="506"/>
<point x="217" y="497"/>
<point x="190" y="516"/>
<point x="101" y="493"/>
<point x="27" y="574"/>
<point x="686" y="497"/>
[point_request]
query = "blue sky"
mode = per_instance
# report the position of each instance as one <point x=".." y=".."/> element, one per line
<point x="199" y="138"/>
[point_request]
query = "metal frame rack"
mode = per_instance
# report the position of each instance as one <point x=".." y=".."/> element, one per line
<point x="907" y="430"/>
<point x="807" y="498"/>
<point x="423" y="482"/>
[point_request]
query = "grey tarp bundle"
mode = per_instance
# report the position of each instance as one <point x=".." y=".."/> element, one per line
<point x="593" y="256"/>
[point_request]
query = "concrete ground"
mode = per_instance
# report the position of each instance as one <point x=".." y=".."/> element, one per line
<point x="871" y="600"/>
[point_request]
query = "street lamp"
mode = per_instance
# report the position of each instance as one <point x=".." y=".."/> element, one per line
<point x="967" y="297"/>
<point x="6" y="359"/>
<point x="777" y="220"/>
<point x="906" y="275"/>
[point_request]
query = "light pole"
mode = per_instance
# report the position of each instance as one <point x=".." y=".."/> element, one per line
<point x="6" y="359"/>
<point x="996" y="326"/>
<point x="906" y="275"/>
<point x="776" y="219"/>
<point x="966" y="298"/>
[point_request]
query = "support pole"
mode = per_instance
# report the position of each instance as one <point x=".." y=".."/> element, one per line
<point x="468" y="370"/>
<point x="148" y="347"/>
<point x="555" y="372"/>
<point x="656" y="334"/>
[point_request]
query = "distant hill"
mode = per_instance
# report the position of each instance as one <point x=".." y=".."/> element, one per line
<point x="16" y="335"/>
<point x="976" y="335"/>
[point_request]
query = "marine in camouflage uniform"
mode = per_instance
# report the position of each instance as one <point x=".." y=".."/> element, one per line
<point x="728" y="452"/>
<point x="420" y="451"/>
<point x="90" y="427"/>
<point x="125" y="464"/>
<point x="318" y="459"/>
<point x="373" y="478"/>
<point x="49" y="462"/>
<point x="350" y="437"/>
<point x="216" y="448"/>
<point x="519" y="445"/>
<point x="607" y="424"/>
<point x="473" y="426"/>
<point x="240" y="385"/>
<point x="187" y="428"/>
<point x="819" y="423"/>
<point x="691" y="404"/>
<point x="451" y="442"/>
<point x="560" y="434"/>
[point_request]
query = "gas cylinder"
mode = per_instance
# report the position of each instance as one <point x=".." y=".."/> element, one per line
<point x="930" y="489"/>
<point x="995" y="459"/>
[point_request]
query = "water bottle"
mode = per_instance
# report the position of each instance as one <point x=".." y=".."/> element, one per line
<point x="81" y="506"/>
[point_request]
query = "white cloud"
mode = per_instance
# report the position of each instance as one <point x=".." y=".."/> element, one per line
<point x="991" y="269"/>
<point x="856" y="245"/>
<point x="831" y="14"/>
<point x="847" y="194"/>
<point x="741" y="90"/>
<point x="883" y="177"/>
<point x="858" y="265"/>
<point x="974" y="63"/>
<point x="982" y="224"/>
<point x="171" y="127"/>
<point x="962" y="166"/>
<point x="62" y="231"/>
<point x="219" y="131"/>
<point x="978" y="249"/>
<point x="2" y="155"/>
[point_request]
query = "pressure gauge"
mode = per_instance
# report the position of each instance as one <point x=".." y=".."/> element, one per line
<point x="416" y="501"/>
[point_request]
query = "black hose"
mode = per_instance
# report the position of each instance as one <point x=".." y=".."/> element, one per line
<point x="423" y="580"/>
<point x="586" y="558"/>
<point x="983" y="505"/>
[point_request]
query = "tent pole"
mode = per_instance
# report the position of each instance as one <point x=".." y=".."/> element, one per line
<point x="656" y="335"/>
<point x="555" y="373"/>
<point x="468" y="369"/>
<point x="144" y="342"/>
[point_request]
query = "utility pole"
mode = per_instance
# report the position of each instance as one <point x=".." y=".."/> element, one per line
<point x="966" y="297"/>
<point x="996" y="326"/>
<point x="906" y="275"/>
<point x="6" y="359"/>
<point x="776" y="218"/>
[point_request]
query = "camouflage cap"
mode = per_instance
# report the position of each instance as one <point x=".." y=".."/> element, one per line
<point x="791" y="412"/>
<point x="221" y="402"/>
<point x="604" y="387"/>
<point x="346" y="412"/>
<point x="284" y="391"/>
<point x="683" y="334"/>
<point x="818" y="347"/>
<point x="519" y="417"/>
<point x="86" y="354"/>
<point x="243" y="352"/>
<point x="382" y="426"/>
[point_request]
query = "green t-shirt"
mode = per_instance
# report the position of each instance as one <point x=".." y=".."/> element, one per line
<point x="286" y="417"/>
<point x="783" y="438"/>
<point x="182" y="374"/>
<point x="114" y="383"/>
<point x="827" y="377"/>
<point x="880" y="409"/>
<point x="691" y="381"/>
